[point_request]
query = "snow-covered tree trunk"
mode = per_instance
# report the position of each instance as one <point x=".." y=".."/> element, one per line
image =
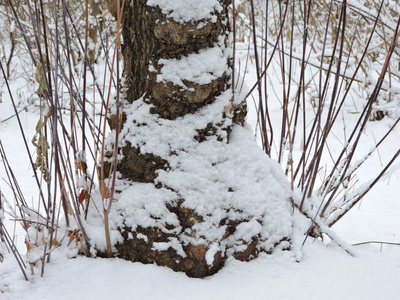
<point x="154" y="44"/>
<point x="194" y="187"/>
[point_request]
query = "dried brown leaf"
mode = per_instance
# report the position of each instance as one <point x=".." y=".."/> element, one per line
<point x="105" y="192"/>
<point x="28" y="246"/>
<point x="82" y="196"/>
<point x="71" y="238"/>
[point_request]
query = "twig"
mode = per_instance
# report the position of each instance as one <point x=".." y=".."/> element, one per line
<point x="376" y="242"/>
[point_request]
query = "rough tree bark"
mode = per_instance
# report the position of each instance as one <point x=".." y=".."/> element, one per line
<point x="153" y="38"/>
<point x="149" y="35"/>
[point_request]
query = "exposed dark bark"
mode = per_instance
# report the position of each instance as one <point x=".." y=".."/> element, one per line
<point x="140" y="167"/>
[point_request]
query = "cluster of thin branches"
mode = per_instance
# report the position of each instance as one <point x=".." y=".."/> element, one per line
<point x="68" y="157"/>
<point x="321" y="52"/>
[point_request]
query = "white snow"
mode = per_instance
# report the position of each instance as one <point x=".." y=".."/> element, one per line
<point x="144" y="205"/>
<point x="316" y="271"/>
<point x="173" y="243"/>
<point x="214" y="248"/>
<point x="188" y="10"/>
<point x="201" y="68"/>
<point x="324" y="273"/>
<point x="214" y="178"/>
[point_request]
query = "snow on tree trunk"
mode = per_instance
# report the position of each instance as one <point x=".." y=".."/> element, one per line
<point x="194" y="188"/>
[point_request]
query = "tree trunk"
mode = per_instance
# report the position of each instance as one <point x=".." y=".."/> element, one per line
<point x="179" y="112"/>
<point x="150" y="36"/>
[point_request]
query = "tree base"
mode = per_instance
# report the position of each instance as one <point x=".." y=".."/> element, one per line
<point x="194" y="263"/>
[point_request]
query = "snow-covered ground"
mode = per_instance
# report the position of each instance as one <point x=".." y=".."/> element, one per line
<point x="324" y="272"/>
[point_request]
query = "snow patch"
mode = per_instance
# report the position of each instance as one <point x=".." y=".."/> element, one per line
<point x="211" y="254"/>
<point x="173" y="243"/>
<point x="246" y="230"/>
<point x="201" y="68"/>
<point x="188" y="10"/>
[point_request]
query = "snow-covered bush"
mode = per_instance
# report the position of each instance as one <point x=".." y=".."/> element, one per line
<point x="323" y="62"/>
